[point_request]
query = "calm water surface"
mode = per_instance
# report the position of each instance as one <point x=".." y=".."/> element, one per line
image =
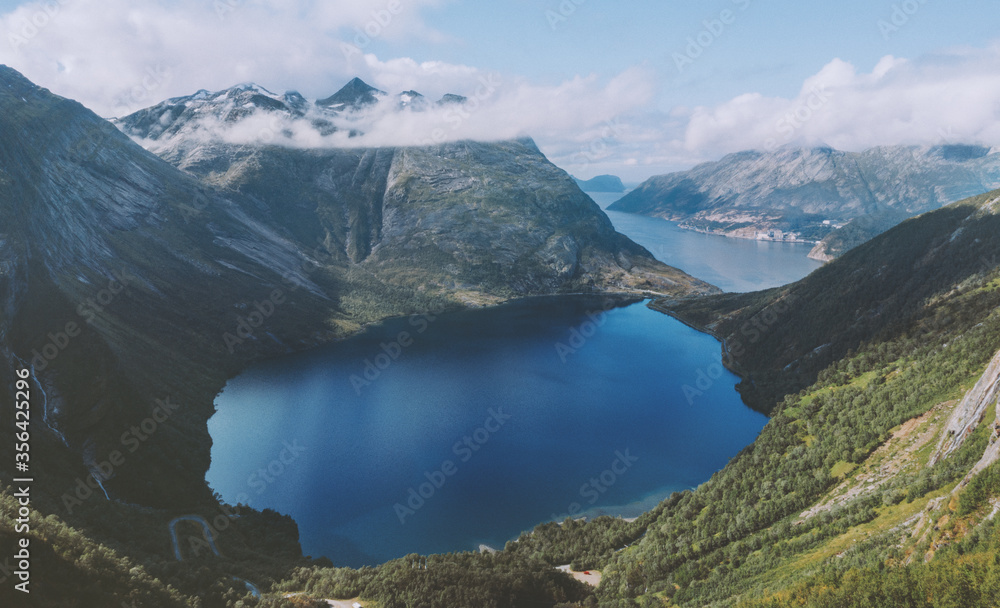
<point x="730" y="264"/>
<point x="472" y="427"/>
<point x="490" y="422"/>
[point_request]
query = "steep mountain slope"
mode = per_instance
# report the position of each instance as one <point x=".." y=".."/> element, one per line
<point x="876" y="481"/>
<point x="903" y="329"/>
<point x="805" y="194"/>
<point x="491" y="213"/>
<point x="132" y="291"/>
<point x="121" y="277"/>
<point x="780" y="339"/>
<point x="601" y="183"/>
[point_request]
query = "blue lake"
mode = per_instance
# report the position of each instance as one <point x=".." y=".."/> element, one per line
<point x="481" y="425"/>
<point x="737" y="265"/>
<point x="485" y="423"/>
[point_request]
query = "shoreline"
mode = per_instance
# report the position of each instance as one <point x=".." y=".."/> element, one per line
<point x="730" y="235"/>
<point x="727" y="359"/>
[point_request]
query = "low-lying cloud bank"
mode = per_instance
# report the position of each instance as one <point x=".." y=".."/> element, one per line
<point x="117" y="57"/>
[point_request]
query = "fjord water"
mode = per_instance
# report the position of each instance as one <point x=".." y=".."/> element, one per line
<point x="501" y="418"/>
<point x="737" y="265"/>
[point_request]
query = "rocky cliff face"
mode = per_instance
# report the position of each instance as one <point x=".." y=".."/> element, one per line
<point x="121" y="277"/>
<point x="135" y="289"/>
<point x="463" y="215"/>
<point x="807" y="194"/>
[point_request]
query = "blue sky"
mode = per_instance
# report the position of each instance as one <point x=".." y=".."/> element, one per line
<point x="595" y="82"/>
<point x="771" y="48"/>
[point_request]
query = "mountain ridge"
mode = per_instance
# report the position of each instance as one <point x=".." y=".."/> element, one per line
<point x="132" y="272"/>
<point x="87" y="212"/>
<point x="808" y="194"/>
<point x="601" y="183"/>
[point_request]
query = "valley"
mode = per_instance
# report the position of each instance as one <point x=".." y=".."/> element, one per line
<point x="294" y="282"/>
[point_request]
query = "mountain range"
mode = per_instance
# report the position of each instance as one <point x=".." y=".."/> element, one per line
<point x="134" y="284"/>
<point x="838" y="199"/>
<point x="127" y="281"/>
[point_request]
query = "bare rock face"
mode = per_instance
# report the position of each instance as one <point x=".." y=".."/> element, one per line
<point x="133" y="288"/>
<point x="971" y="411"/>
<point x="494" y="215"/>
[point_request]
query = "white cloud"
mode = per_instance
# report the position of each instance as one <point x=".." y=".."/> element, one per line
<point x="950" y="96"/>
<point x="576" y="111"/>
<point x="118" y="56"/>
<point x="101" y="51"/>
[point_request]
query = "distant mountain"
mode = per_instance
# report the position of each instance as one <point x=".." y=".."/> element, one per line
<point x="412" y="100"/>
<point x="206" y="114"/>
<point x="877" y="477"/>
<point x="174" y="280"/>
<point x="452" y="99"/>
<point x="807" y="194"/>
<point x="168" y="118"/>
<point x="355" y="95"/>
<point x="601" y="183"/>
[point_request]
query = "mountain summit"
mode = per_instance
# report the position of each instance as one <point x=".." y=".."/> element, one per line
<point x="160" y="269"/>
<point x="355" y="95"/>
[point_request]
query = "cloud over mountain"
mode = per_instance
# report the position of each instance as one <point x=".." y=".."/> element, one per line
<point x="117" y="57"/>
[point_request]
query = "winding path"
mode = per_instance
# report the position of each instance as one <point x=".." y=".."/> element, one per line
<point x="206" y="532"/>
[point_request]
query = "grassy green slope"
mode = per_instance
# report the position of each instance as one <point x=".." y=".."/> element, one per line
<point x="893" y="329"/>
<point x="782" y="338"/>
<point x="833" y="489"/>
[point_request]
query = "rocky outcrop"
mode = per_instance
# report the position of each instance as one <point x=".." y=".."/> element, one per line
<point x="979" y="404"/>
<point x="468" y="214"/>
